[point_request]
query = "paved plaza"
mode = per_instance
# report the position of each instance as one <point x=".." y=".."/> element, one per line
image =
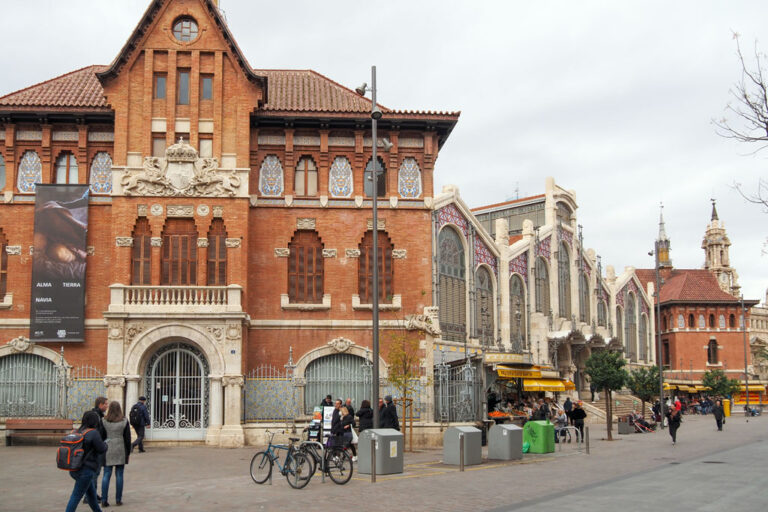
<point x="707" y="470"/>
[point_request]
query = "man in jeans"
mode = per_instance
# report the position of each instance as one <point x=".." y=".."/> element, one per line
<point x="138" y="426"/>
<point x="99" y="407"/>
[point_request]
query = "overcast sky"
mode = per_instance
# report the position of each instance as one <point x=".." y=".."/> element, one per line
<point x="612" y="99"/>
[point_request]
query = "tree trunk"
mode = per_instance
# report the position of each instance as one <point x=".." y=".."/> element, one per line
<point x="608" y="413"/>
<point x="643" y="413"/>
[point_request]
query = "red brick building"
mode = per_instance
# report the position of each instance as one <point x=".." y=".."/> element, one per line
<point x="229" y="222"/>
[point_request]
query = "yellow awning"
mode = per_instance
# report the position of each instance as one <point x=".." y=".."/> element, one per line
<point x="543" y="385"/>
<point x="570" y="385"/>
<point x="754" y="387"/>
<point x="668" y="386"/>
<point x="507" y="372"/>
<point x="699" y="387"/>
<point x="687" y="388"/>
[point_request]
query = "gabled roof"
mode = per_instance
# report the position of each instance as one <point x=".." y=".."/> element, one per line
<point x="501" y="206"/>
<point x="77" y="90"/>
<point x="688" y="285"/>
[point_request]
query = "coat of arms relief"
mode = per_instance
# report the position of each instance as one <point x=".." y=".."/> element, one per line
<point x="181" y="173"/>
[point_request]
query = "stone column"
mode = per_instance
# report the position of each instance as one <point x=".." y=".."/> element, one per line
<point x="232" y="435"/>
<point x="132" y="389"/>
<point x="215" y="416"/>
<point x="115" y="385"/>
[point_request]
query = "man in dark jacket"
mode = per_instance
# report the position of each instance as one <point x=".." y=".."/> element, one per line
<point x="578" y="415"/>
<point x="327" y="402"/>
<point x="568" y="408"/>
<point x="337" y="429"/>
<point x="389" y="414"/>
<point x="719" y="414"/>
<point x="99" y="407"/>
<point x="94" y="448"/>
<point x="141" y="424"/>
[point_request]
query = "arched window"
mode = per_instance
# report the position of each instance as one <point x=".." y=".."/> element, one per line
<point x="2" y="172"/>
<point x="712" y="352"/>
<point x="664" y="323"/>
<point x="340" y="178"/>
<point x="712" y="320"/>
<point x="381" y="181"/>
<point x="100" y="178"/>
<point x="619" y="328"/>
<point x="305" y="268"/>
<point x="29" y="386"/>
<point x="384" y="261"/>
<point x="484" y="306"/>
<point x="630" y="327"/>
<point x="343" y="373"/>
<point x="141" y="253"/>
<point x="584" y="297"/>
<point x="66" y="169"/>
<point x="731" y="321"/>
<point x="517" y="310"/>
<point x="643" y="341"/>
<point x="542" y="286"/>
<point x="702" y="323"/>
<point x="3" y="266"/>
<point x="691" y="321"/>
<point x="271" y="177"/>
<point x="452" y="282"/>
<point x="409" y="178"/>
<point x="564" y="282"/>
<point x="179" y="261"/>
<point x="305" y="179"/>
<point x="30" y="172"/>
<point x="601" y="313"/>
<point x="217" y="253"/>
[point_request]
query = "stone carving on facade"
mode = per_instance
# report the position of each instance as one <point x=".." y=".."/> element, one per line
<point x="20" y="344"/>
<point x="305" y="223"/>
<point x="233" y="332"/>
<point x="340" y="344"/>
<point x="156" y="241"/>
<point x="424" y="323"/>
<point x="180" y="211"/>
<point x="133" y="331"/>
<point x="352" y="253"/>
<point x="218" y="211"/>
<point x="382" y="223"/>
<point x="114" y="380"/>
<point x="232" y="380"/>
<point x="202" y="242"/>
<point x="124" y="241"/>
<point x="282" y="252"/>
<point x="181" y="173"/>
<point x="142" y="210"/>
<point x="203" y="210"/>
<point x="232" y="242"/>
<point x="115" y="332"/>
<point x="156" y="210"/>
<point x="215" y="331"/>
<point x="329" y="253"/>
<point x="399" y="254"/>
<point x="13" y="250"/>
<point x="90" y="250"/>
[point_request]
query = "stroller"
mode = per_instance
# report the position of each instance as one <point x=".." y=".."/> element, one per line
<point x="642" y="426"/>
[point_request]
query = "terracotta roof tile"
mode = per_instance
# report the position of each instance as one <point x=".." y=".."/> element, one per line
<point x="688" y="285"/>
<point x="507" y="203"/>
<point x="77" y="89"/>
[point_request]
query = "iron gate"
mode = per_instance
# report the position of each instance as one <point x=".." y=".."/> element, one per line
<point x="457" y="392"/>
<point x="30" y="385"/>
<point x="339" y="375"/>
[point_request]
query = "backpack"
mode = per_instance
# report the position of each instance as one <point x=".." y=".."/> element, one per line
<point x="71" y="452"/>
<point x="134" y="417"/>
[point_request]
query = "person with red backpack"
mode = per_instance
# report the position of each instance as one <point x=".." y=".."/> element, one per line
<point x="93" y="447"/>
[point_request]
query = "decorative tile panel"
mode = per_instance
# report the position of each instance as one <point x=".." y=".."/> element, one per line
<point x="274" y="140"/>
<point x="484" y="255"/>
<point x="340" y="178"/>
<point x="64" y="136"/>
<point x="305" y="223"/>
<point x="306" y="140"/>
<point x="124" y="241"/>
<point x="282" y="252"/>
<point x="101" y="174"/>
<point x="101" y="136"/>
<point x="544" y="249"/>
<point x="180" y="211"/>
<point x="450" y="214"/>
<point x="519" y="265"/>
<point x="410" y="142"/>
<point x="409" y="178"/>
<point x="399" y="254"/>
<point x="30" y="172"/>
<point x="156" y="241"/>
<point x="329" y="253"/>
<point x="29" y="135"/>
<point x="271" y="177"/>
<point x="565" y="236"/>
<point x="342" y="141"/>
<point x="232" y="243"/>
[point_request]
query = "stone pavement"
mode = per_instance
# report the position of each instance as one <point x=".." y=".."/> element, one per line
<point x="197" y="478"/>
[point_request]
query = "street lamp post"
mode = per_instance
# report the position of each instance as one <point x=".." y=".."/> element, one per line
<point x="746" y="372"/>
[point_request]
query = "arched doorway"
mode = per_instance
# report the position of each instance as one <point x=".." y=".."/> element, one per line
<point x="177" y="389"/>
<point x="339" y="375"/>
<point x="29" y="386"/>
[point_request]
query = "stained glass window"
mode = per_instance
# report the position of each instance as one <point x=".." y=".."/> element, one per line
<point x="542" y="286"/>
<point x="452" y="284"/>
<point x="702" y="323"/>
<point x="484" y="306"/>
<point x="30" y="172"/>
<point x="101" y="173"/>
<point x="721" y="321"/>
<point x="630" y="327"/>
<point x="381" y="179"/>
<point x="517" y="311"/>
<point x="564" y="282"/>
<point x="66" y="169"/>
<point x="680" y="322"/>
<point x="340" y="178"/>
<point x="185" y="29"/>
<point x="271" y="177"/>
<point x="409" y="178"/>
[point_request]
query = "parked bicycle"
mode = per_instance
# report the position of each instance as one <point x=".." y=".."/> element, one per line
<point x="335" y="462"/>
<point x="297" y="467"/>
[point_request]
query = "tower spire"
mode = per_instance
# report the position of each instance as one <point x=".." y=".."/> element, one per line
<point x="662" y="230"/>
<point x="714" y="210"/>
<point x="662" y="243"/>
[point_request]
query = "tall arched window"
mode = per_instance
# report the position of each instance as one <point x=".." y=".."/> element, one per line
<point x="305" y="179"/>
<point x="731" y="321"/>
<point x="141" y="253"/>
<point x="542" y="286"/>
<point x="100" y="178"/>
<point x="563" y="282"/>
<point x="484" y="306"/>
<point x="2" y="172"/>
<point x="305" y="268"/>
<point x="217" y="253"/>
<point x="601" y="313"/>
<point x="30" y="172"/>
<point x="643" y="338"/>
<point x="271" y="176"/>
<point x="381" y="181"/>
<point x="630" y="327"/>
<point x="66" y="169"/>
<point x="452" y="282"/>
<point x="384" y="261"/>
<point x="619" y="323"/>
<point x="179" y="261"/>
<point x="712" y="352"/>
<point x="584" y="298"/>
<point x="691" y="321"/>
<point x="712" y="320"/>
<point x="517" y="311"/>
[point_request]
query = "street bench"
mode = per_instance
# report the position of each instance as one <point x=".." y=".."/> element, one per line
<point x="36" y="430"/>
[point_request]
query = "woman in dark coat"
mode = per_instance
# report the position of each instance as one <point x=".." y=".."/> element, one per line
<point x="365" y="413"/>
<point x="674" y="419"/>
<point x="577" y="416"/>
<point x="719" y="414"/>
<point x="347" y="423"/>
<point x="93" y="447"/>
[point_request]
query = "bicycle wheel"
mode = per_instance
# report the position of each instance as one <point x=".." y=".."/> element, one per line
<point x="261" y="467"/>
<point x="339" y="466"/>
<point x="298" y="470"/>
<point x="310" y="452"/>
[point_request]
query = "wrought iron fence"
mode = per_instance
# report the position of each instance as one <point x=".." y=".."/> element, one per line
<point x="458" y="392"/>
<point x="85" y="384"/>
<point x="30" y="385"/>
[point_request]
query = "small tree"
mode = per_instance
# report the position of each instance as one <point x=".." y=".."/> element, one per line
<point x="719" y="383"/>
<point x="404" y="367"/>
<point x="644" y="383"/>
<point x="606" y="371"/>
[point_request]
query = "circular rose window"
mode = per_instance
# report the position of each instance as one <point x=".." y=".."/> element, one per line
<point x="185" y="29"/>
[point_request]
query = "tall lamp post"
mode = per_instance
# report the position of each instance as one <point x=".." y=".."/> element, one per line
<point x="375" y="116"/>
<point x="746" y="367"/>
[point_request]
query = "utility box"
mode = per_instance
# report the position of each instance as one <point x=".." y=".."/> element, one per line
<point x="473" y="446"/>
<point x="389" y="451"/>
<point x="505" y="442"/>
<point x="540" y="435"/>
<point x="625" y="427"/>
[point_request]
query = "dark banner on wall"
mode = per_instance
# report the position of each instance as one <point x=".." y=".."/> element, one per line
<point x="57" y="311"/>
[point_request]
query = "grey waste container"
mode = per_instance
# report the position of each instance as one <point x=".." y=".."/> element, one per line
<point x="473" y="449"/>
<point x="505" y="442"/>
<point x="389" y="451"/>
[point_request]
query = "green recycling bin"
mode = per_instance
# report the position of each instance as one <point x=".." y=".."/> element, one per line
<point x="540" y="435"/>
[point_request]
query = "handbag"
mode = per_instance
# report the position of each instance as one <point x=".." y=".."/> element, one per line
<point x="354" y="436"/>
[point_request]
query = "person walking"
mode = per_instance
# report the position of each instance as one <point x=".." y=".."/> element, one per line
<point x="578" y="415"/>
<point x="139" y="420"/>
<point x="118" y="450"/>
<point x="99" y="407"/>
<point x="568" y="408"/>
<point x="388" y="417"/>
<point x="673" y="420"/>
<point x="347" y="424"/>
<point x="93" y="447"/>
<point x="348" y="405"/>
<point x="337" y="429"/>
<point x="719" y="414"/>
<point x="365" y="413"/>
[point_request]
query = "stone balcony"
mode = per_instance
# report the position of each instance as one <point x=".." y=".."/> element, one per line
<point x="175" y="300"/>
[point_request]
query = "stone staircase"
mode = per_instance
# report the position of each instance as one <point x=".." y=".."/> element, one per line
<point x="626" y="404"/>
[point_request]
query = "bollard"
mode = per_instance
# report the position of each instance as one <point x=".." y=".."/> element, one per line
<point x="461" y="452"/>
<point x="373" y="460"/>
<point x="586" y="436"/>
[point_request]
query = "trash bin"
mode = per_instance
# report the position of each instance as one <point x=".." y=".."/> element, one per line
<point x="540" y="435"/>
<point x="389" y="451"/>
<point x="624" y="426"/>
<point x="505" y="442"/>
<point x="727" y="408"/>
<point x="473" y="449"/>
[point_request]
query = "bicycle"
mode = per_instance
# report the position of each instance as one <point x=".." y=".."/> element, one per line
<point x="336" y="463"/>
<point x="297" y="467"/>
